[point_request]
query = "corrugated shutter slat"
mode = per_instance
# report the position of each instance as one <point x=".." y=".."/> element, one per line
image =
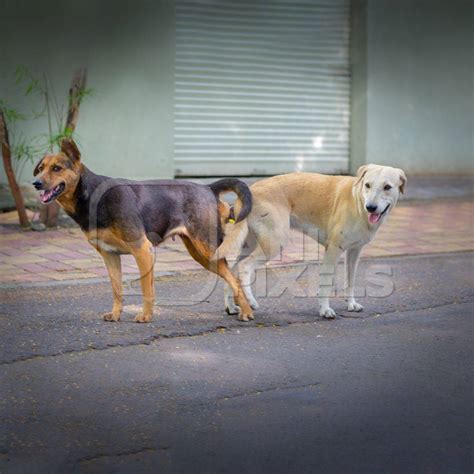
<point x="261" y="87"/>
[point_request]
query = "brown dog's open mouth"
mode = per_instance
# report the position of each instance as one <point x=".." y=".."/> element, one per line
<point x="48" y="195"/>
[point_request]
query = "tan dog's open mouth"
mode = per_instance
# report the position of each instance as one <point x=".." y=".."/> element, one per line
<point x="374" y="217"/>
<point x="47" y="195"/>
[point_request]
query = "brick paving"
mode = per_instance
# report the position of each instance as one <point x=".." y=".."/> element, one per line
<point x="64" y="254"/>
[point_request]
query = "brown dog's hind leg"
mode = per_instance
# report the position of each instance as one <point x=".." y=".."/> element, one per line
<point x="201" y="252"/>
<point x="143" y="254"/>
<point x="114" y="267"/>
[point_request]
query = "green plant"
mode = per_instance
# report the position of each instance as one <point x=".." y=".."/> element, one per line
<point x="51" y="107"/>
<point x="61" y="121"/>
<point x="23" y="148"/>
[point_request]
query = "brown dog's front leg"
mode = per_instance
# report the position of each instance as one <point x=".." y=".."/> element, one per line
<point x="145" y="261"/>
<point x="114" y="267"/>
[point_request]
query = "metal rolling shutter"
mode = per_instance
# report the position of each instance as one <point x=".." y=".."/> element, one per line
<point x="261" y="87"/>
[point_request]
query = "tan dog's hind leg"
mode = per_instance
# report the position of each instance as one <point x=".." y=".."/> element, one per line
<point x="352" y="261"/>
<point x="326" y="276"/>
<point x="246" y="272"/>
<point x="271" y="232"/>
<point x="145" y="260"/>
<point x="203" y="254"/>
<point x="114" y="267"/>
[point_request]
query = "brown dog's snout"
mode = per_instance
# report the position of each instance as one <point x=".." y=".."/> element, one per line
<point x="38" y="184"/>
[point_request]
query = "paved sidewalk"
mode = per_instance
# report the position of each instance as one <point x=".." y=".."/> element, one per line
<point x="64" y="254"/>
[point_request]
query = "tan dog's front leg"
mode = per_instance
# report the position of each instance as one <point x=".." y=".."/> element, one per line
<point x="114" y="267"/>
<point x="352" y="261"/>
<point x="145" y="261"/>
<point x="326" y="276"/>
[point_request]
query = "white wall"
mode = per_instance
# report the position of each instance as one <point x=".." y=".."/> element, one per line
<point x="412" y="94"/>
<point x="418" y="93"/>
<point x="126" y="129"/>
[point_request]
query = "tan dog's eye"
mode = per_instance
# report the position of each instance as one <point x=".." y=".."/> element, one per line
<point x="387" y="187"/>
<point x="367" y="185"/>
<point x="56" y="169"/>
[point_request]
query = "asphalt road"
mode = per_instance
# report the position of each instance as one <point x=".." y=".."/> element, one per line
<point x="387" y="390"/>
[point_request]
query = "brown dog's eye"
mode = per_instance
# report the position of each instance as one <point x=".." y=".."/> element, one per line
<point x="56" y="169"/>
<point x="387" y="187"/>
<point x="367" y="185"/>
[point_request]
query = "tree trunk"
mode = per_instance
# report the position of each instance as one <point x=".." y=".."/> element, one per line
<point x="7" y="163"/>
<point x="78" y="85"/>
<point x="49" y="213"/>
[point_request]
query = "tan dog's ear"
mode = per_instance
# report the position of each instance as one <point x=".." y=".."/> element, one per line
<point x="69" y="148"/>
<point x="361" y="173"/>
<point x="36" y="170"/>
<point x="403" y="180"/>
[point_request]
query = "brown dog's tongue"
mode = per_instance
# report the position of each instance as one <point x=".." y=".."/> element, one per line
<point x="374" y="218"/>
<point x="45" y="195"/>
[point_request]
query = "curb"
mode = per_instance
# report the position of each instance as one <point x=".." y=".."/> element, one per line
<point x="183" y="273"/>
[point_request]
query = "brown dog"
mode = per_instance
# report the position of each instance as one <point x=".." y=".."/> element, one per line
<point x="131" y="217"/>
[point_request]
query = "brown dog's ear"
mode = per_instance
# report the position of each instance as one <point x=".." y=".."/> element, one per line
<point x="361" y="173"/>
<point x="69" y="148"/>
<point x="403" y="180"/>
<point x="36" y="170"/>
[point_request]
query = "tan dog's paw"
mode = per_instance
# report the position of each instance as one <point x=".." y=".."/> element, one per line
<point x="143" y="318"/>
<point x="234" y="309"/>
<point x="327" y="313"/>
<point x="253" y="303"/>
<point x="355" y="307"/>
<point x="111" y="317"/>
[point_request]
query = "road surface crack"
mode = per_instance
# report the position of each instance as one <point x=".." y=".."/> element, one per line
<point x="230" y="329"/>
<point x="134" y="452"/>
<point x="267" y="390"/>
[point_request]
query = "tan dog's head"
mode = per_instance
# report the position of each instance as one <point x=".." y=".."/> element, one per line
<point x="380" y="188"/>
<point x="57" y="174"/>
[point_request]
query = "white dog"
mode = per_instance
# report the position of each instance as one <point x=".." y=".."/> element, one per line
<point x="343" y="213"/>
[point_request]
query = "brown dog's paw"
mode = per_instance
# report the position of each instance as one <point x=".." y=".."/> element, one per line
<point x="246" y="317"/>
<point x="143" y="318"/>
<point x="111" y="317"/>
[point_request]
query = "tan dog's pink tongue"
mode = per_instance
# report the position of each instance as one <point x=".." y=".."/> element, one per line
<point x="374" y="218"/>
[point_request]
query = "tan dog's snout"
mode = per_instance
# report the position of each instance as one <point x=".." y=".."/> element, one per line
<point x="371" y="207"/>
<point x="380" y="188"/>
<point x="377" y="202"/>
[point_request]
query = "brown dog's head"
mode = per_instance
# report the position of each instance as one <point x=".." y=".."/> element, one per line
<point x="57" y="174"/>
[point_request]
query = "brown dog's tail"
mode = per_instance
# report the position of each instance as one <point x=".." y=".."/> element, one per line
<point x="239" y="188"/>
<point x="234" y="241"/>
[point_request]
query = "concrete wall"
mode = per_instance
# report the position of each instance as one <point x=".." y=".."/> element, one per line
<point x="412" y="95"/>
<point x="413" y="99"/>
<point x="126" y="129"/>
